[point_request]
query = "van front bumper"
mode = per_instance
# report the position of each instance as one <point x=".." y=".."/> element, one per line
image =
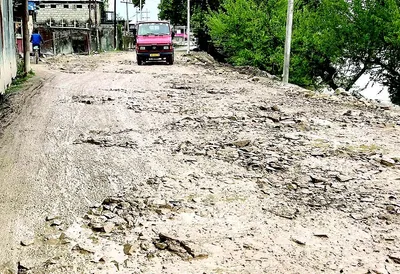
<point x="155" y="54"/>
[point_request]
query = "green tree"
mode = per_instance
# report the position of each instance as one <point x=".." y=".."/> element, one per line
<point x="249" y="33"/>
<point x="378" y="28"/>
<point x="173" y="10"/>
<point x="136" y="3"/>
<point x="176" y="12"/>
<point x="334" y="41"/>
<point x="357" y="37"/>
<point x="319" y="36"/>
<point x="198" y="20"/>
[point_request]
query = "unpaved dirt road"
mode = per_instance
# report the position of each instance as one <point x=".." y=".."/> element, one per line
<point x="108" y="167"/>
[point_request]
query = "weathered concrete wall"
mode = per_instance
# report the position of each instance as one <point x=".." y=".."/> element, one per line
<point x="128" y="42"/>
<point x="67" y="40"/>
<point x="8" y="62"/>
<point x="66" y="12"/>
<point x="106" y="38"/>
<point x="71" y="40"/>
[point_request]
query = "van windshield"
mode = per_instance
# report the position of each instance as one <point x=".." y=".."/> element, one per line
<point x="154" y="29"/>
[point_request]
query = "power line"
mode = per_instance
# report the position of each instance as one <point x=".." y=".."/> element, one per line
<point x="146" y="16"/>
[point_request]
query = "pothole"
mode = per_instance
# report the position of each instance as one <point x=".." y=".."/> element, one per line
<point x="91" y="100"/>
<point x="107" y="139"/>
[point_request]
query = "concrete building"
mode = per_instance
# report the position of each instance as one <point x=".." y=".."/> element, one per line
<point x="69" y="26"/>
<point x="8" y="60"/>
<point x="67" y="13"/>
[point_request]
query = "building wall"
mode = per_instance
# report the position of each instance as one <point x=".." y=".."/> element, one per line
<point x="8" y="61"/>
<point x="68" y="12"/>
<point x="106" y="37"/>
<point x="72" y="40"/>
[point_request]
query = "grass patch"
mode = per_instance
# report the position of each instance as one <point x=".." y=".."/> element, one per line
<point x="18" y="82"/>
<point x="220" y="271"/>
<point x="94" y="239"/>
<point x="303" y="126"/>
<point x="20" y="79"/>
<point x="390" y="125"/>
<point x="362" y="149"/>
<point x="190" y="197"/>
<point x="234" y="198"/>
<point x="321" y="143"/>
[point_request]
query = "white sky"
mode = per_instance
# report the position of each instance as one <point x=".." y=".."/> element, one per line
<point x="373" y="90"/>
<point x="151" y="6"/>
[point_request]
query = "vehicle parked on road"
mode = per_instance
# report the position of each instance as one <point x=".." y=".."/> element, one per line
<point x="154" y="42"/>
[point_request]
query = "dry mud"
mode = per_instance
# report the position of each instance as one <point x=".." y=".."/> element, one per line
<point x="110" y="167"/>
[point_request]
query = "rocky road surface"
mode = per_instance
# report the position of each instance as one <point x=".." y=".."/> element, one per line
<point x="108" y="167"/>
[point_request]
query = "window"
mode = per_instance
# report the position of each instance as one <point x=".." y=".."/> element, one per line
<point x="78" y="6"/>
<point x="53" y="6"/>
<point x="154" y="29"/>
<point x="66" y="6"/>
<point x="42" y="6"/>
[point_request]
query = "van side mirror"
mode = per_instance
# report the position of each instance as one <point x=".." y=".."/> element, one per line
<point x="173" y="34"/>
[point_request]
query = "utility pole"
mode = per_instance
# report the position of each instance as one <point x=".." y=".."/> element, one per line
<point x="146" y="16"/>
<point x="289" y="25"/>
<point x="127" y="2"/>
<point x="141" y="15"/>
<point x="95" y="25"/>
<point x="54" y="44"/>
<point x="90" y="13"/>
<point x="127" y="17"/>
<point x="115" y="24"/>
<point x="188" y="26"/>
<point x="25" y="30"/>
<point x="90" y="28"/>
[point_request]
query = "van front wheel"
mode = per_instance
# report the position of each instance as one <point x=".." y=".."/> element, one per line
<point x="170" y="60"/>
<point x="139" y="60"/>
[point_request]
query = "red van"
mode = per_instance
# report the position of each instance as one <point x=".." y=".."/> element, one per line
<point x="154" y="42"/>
